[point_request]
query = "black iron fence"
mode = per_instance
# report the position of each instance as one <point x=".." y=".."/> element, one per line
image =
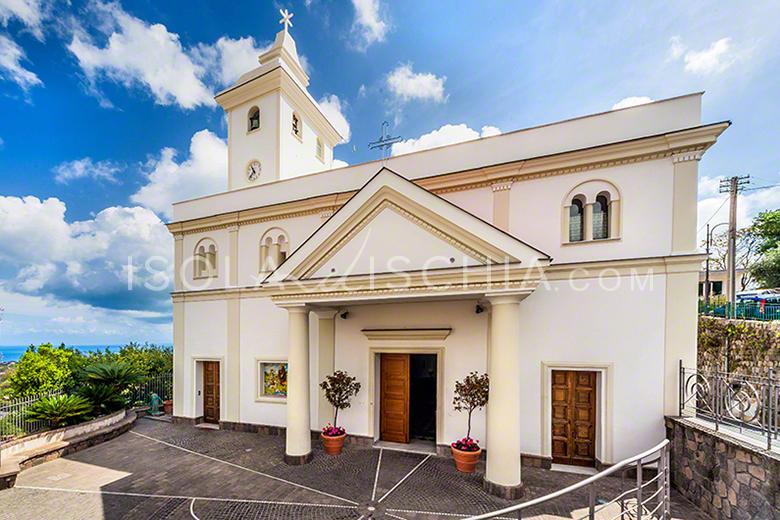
<point x="739" y="403"/>
<point x="141" y="394"/>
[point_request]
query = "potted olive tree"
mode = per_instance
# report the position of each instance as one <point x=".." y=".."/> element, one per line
<point x="339" y="390"/>
<point x="470" y="394"/>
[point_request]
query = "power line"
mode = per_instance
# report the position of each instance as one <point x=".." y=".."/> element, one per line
<point x="713" y="215"/>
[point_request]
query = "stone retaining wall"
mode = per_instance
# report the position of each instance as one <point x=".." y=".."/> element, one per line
<point x="726" y="478"/>
<point x="753" y="347"/>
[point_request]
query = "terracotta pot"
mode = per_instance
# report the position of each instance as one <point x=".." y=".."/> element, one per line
<point x="168" y="407"/>
<point x="333" y="445"/>
<point x="466" y="461"/>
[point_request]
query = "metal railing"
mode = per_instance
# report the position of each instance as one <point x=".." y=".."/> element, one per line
<point x="742" y="310"/>
<point x="13" y="416"/>
<point x="744" y="404"/>
<point x="141" y="393"/>
<point x="647" y="500"/>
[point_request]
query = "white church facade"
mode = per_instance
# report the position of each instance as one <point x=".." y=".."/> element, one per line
<point x="561" y="260"/>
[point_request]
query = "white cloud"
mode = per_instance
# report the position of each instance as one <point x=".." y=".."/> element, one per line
<point x="631" y="102"/>
<point x="333" y="108"/>
<point x="101" y="170"/>
<point x="406" y="85"/>
<point x="709" y="186"/>
<point x="338" y="163"/>
<point x="370" y="25"/>
<point x="202" y="173"/>
<point x="2" y="143"/>
<point x="30" y="12"/>
<point x="716" y="59"/>
<point x="361" y="91"/>
<point x="228" y="59"/>
<point x="447" y="134"/>
<point x="138" y="54"/>
<point x="677" y="49"/>
<point x="11" y="57"/>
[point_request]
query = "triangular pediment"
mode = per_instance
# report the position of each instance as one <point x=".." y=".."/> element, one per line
<point x="393" y="225"/>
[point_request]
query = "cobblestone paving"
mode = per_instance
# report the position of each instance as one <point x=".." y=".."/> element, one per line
<point x="165" y="471"/>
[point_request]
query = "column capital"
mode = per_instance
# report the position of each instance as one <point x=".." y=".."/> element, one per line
<point x="502" y="186"/>
<point x="295" y="307"/>
<point x="503" y="298"/>
<point x="325" y="314"/>
<point x="178" y="236"/>
<point x="233" y="228"/>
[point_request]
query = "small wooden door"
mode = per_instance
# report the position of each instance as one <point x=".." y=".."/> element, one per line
<point x="574" y="417"/>
<point x="394" y="398"/>
<point x="211" y="392"/>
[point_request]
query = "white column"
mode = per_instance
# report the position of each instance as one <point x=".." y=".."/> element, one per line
<point x="587" y="222"/>
<point x="298" y="449"/>
<point x="502" y="476"/>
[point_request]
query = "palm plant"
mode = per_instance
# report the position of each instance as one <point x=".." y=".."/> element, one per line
<point x="118" y="375"/>
<point x="57" y="409"/>
<point x="104" y="398"/>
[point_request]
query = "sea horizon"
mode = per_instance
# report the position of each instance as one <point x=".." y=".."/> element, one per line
<point x="14" y="352"/>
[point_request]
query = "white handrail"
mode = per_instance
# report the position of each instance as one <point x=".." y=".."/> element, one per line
<point x="609" y="471"/>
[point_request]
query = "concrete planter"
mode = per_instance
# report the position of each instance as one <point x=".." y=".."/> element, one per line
<point x="466" y="461"/>
<point x="333" y="445"/>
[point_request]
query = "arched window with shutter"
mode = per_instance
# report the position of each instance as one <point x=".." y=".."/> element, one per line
<point x="253" y="119"/>
<point x="601" y="217"/>
<point x="575" y="221"/>
<point x="274" y="249"/>
<point x="206" y="258"/>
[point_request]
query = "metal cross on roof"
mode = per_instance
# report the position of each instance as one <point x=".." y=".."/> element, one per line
<point x="386" y="141"/>
<point x="286" y="18"/>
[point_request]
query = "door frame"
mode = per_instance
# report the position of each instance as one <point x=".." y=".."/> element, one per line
<point x="374" y="386"/>
<point x="604" y="405"/>
<point x="196" y="381"/>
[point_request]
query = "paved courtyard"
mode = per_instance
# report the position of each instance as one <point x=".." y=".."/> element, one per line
<point x="164" y="471"/>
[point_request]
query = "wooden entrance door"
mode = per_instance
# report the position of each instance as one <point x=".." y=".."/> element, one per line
<point x="574" y="417"/>
<point x="211" y="392"/>
<point x="394" y="398"/>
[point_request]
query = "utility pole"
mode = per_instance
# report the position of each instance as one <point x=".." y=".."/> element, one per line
<point x="733" y="186"/>
<point x="707" y="268"/>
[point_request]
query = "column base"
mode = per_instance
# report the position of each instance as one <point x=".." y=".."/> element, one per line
<point x="505" y="492"/>
<point x="298" y="460"/>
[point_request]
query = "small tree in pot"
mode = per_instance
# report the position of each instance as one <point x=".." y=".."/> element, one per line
<point x="470" y="394"/>
<point x="339" y="390"/>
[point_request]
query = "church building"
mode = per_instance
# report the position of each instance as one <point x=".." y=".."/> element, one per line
<point x="561" y="260"/>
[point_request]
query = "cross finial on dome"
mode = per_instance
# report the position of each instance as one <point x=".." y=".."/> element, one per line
<point x="285" y="18"/>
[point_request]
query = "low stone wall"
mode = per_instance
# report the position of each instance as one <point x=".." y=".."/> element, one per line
<point x="743" y="346"/>
<point x="725" y="477"/>
<point x="42" y="439"/>
<point x="20" y="461"/>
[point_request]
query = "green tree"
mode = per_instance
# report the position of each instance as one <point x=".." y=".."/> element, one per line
<point x="147" y="359"/>
<point x="767" y="226"/>
<point x="767" y="270"/>
<point x="339" y="390"/>
<point x="41" y="369"/>
<point x="470" y="394"/>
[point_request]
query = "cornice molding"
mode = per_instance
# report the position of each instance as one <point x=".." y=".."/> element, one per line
<point x="690" y="143"/>
<point x="406" y="334"/>
<point x="502" y="186"/>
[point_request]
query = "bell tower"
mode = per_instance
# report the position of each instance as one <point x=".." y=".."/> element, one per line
<point x="275" y="128"/>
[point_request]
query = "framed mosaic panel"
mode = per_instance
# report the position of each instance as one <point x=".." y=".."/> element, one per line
<point x="271" y="380"/>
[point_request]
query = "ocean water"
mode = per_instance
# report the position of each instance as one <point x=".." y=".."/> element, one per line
<point x="13" y="353"/>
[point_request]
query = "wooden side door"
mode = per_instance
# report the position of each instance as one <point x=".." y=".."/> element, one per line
<point x="574" y="417"/>
<point x="394" y="398"/>
<point x="211" y="392"/>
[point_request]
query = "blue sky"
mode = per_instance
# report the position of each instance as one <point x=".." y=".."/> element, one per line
<point x="107" y="116"/>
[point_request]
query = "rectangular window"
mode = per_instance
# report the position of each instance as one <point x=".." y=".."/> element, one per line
<point x="575" y="228"/>
<point x="319" y="148"/>
<point x="717" y="287"/>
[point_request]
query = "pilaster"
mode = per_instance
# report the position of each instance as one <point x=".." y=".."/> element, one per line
<point x="178" y="259"/>
<point x="501" y="199"/>
<point x="326" y="360"/>
<point x="684" y="203"/>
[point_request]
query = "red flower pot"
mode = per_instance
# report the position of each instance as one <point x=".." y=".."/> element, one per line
<point x="168" y="407"/>
<point x="466" y="461"/>
<point x="333" y="445"/>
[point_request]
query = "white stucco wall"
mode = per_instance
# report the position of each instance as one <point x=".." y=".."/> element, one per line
<point x="205" y="338"/>
<point x="190" y="242"/>
<point x="478" y="202"/>
<point x="300" y="157"/>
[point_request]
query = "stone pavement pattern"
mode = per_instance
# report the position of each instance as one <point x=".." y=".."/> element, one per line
<point x="165" y="471"/>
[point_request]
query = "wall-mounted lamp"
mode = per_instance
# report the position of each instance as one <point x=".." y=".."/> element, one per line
<point x="344" y="315"/>
<point x="480" y="309"/>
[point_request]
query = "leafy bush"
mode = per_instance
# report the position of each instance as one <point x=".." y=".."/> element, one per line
<point x="339" y="389"/>
<point x="118" y="375"/>
<point x="59" y="410"/>
<point x="41" y="370"/>
<point x="104" y="398"/>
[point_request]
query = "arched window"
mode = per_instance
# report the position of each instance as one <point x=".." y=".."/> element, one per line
<point x="575" y="221"/>
<point x="274" y="249"/>
<point x="253" y="120"/>
<point x="205" y="263"/>
<point x="601" y="217"/>
<point x="297" y="126"/>
<point x="320" y="149"/>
